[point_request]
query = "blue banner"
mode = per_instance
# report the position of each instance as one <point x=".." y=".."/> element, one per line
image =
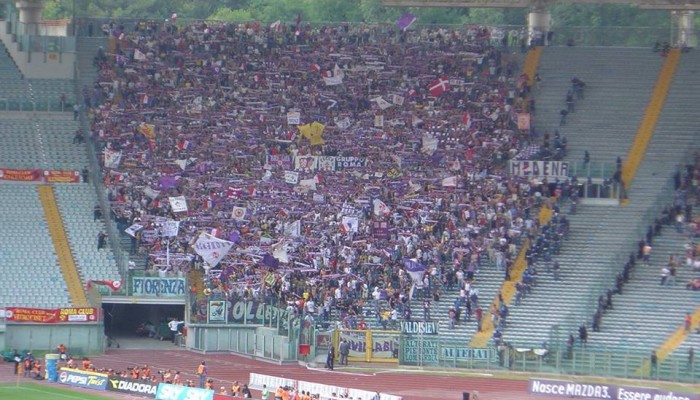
<point x="174" y="392"/>
<point x="158" y="287"/>
<point x="85" y="379"/>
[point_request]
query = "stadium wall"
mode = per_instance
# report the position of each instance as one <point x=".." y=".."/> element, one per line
<point x="255" y="342"/>
<point x="39" y="65"/>
<point x="83" y="339"/>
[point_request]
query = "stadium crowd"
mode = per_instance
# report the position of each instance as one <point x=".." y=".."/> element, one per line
<point x="344" y="162"/>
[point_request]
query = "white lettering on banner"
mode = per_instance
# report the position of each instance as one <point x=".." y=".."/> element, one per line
<point x="419" y="327"/>
<point x="211" y="248"/>
<point x="147" y="388"/>
<point x="174" y="392"/>
<point x="350" y="162"/>
<point x="324" y="390"/>
<point x="623" y="394"/>
<point x="458" y="353"/>
<point x="570" y="389"/>
<point x="255" y="312"/>
<point x="257" y="381"/>
<point x="158" y="286"/>
<point x="554" y="169"/>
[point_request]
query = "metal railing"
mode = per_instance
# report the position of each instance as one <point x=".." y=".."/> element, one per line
<point x="623" y="36"/>
<point x="113" y="234"/>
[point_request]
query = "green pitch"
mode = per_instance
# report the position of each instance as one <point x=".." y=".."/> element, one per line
<point x="32" y="391"/>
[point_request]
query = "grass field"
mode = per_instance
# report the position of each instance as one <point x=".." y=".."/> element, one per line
<point x="31" y="391"/>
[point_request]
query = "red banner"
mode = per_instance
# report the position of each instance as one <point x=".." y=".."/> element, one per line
<point x="27" y="175"/>
<point x="54" y="176"/>
<point x="50" y="316"/>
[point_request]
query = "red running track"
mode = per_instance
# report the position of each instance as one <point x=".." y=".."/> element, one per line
<point x="226" y="368"/>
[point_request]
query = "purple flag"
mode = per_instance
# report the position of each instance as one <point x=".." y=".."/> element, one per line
<point x="234" y="237"/>
<point x="270" y="261"/>
<point x="405" y="21"/>
<point x="167" y="182"/>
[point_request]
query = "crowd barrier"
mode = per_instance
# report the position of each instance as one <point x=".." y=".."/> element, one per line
<point x="328" y="392"/>
<point x="603" y="391"/>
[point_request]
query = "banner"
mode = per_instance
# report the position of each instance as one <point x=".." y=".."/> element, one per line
<point x="350" y="162"/>
<point x="112" y="158"/>
<point x="55" y="176"/>
<point x="27" y="175"/>
<point x="254" y="312"/>
<point x="540" y="169"/>
<point x="419" y="327"/>
<point x="158" y="287"/>
<point x="84" y="379"/>
<point x="603" y="391"/>
<point x="293" y="118"/>
<point x="238" y="213"/>
<point x="131" y="231"/>
<point x="306" y="162"/>
<point x="178" y="204"/>
<point x="211" y="248"/>
<point x="279" y="160"/>
<point x="291" y="177"/>
<point x="384" y="345"/>
<point x="167" y="391"/>
<point x="326" y="163"/>
<point x="170" y="228"/>
<point x="114" y="286"/>
<point x="116" y="383"/>
<point x="50" y="316"/>
<point x="217" y="310"/>
<point x="256" y="381"/>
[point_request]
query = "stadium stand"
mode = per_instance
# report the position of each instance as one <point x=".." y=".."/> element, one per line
<point x="29" y="262"/>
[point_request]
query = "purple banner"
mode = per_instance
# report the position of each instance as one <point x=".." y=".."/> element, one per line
<point x="603" y="391"/>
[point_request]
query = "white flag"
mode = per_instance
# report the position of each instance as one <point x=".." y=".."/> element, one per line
<point x="279" y="251"/>
<point x="238" y="213"/>
<point x="450" y="181"/>
<point x="152" y="193"/>
<point x="182" y="164"/>
<point x="292" y="228"/>
<point x="396" y="99"/>
<point x="139" y="56"/>
<point x="131" y="231"/>
<point x="211" y="248"/>
<point x="380" y="208"/>
<point x="430" y="144"/>
<point x="170" y="228"/>
<point x="378" y="121"/>
<point x="351" y="223"/>
<point x="343" y="123"/>
<point x="308" y="184"/>
<point x="383" y="104"/>
<point x="178" y="204"/>
<point x="112" y="158"/>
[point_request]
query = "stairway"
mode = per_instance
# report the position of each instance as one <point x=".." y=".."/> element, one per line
<point x="62" y="246"/>
<point x="606" y="120"/>
<point x="601" y="237"/>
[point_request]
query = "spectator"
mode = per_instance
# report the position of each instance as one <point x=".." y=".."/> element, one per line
<point x="194" y="116"/>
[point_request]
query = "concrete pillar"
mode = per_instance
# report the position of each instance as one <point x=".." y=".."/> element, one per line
<point x="30" y="16"/>
<point x="538" y="24"/>
<point x="686" y="29"/>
